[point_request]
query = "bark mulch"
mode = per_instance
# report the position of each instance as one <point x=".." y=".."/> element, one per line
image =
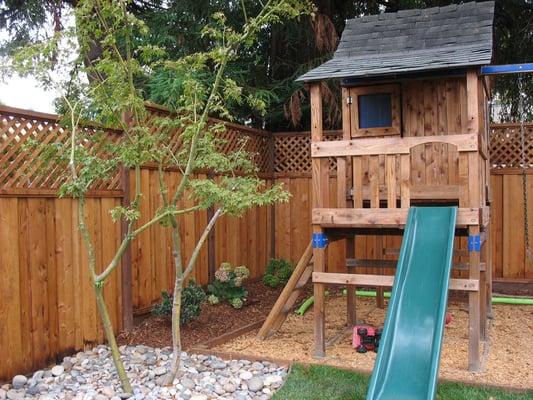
<point x="213" y="321"/>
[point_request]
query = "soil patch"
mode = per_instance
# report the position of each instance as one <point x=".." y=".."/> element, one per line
<point x="214" y="321"/>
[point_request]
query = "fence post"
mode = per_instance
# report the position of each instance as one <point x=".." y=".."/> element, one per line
<point x="126" y="284"/>
<point x="271" y="169"/>
<point x="211" y="248"/>
<point x="125" y="261"/>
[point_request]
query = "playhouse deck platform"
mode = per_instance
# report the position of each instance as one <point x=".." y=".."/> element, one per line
<point x="508" y="363"/>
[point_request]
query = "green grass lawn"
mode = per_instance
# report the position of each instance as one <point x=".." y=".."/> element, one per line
<point x="322" y="382"/>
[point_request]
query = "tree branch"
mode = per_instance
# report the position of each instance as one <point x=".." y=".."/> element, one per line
<point x="200" y="243"/>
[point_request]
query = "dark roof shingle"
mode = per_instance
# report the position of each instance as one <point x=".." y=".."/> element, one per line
<point x="412" y="40"/>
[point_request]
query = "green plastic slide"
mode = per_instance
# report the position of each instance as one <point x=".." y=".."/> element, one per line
<point x="408" y="358"/>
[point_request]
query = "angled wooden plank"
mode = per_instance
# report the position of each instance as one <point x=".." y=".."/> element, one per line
<point x="284" y="296"/>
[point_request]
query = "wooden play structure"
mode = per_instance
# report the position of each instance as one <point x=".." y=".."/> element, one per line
<point x="415" y="132"/>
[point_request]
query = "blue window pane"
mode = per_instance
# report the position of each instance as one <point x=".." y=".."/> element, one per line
<point x="375" y="110"/>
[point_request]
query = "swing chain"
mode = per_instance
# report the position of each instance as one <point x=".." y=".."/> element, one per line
<point x="521" y="113"/>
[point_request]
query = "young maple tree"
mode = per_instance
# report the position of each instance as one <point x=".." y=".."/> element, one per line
<point x="108" y="91"/>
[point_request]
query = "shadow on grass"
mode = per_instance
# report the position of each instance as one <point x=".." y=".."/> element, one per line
<point x="318" y="382"/>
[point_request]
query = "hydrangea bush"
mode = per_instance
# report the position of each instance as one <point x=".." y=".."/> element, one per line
<point x="228" y="285"/>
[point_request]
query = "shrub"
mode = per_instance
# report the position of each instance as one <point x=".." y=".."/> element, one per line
<point x="228" y="285"/>
<point x="191" y="303"/>
<point x="278" y="272"/>
<point x="165" y="307"/>
<point x="271" y="280"/>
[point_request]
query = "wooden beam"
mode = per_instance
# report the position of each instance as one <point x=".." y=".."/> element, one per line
<point x="469" y="285"/>
<point x="392" y="145"/>
<point x="360" y="263"/>
<point x="379" y="217"/>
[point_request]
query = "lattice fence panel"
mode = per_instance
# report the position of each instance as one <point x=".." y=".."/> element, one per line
<point x="292" y="152"/>
<point x="21" y="163"/>
<point x="505" y="146"/>
<point x="23" y="167"/>
<point x="235" y="137"/>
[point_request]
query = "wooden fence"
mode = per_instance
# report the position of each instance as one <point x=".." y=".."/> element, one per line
<point x="47" y="305"/>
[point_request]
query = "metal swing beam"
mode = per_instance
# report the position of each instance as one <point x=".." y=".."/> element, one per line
<point x="507" y="69"/>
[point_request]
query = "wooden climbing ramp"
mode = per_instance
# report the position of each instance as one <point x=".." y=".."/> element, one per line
<point x="289" y="295"/>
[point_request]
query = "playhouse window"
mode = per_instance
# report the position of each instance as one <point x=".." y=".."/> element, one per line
<point x="375" y="110"/>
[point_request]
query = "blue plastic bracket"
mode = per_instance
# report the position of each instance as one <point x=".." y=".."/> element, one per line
<point x="474" y="243"/>
<point x="319" y="241"/>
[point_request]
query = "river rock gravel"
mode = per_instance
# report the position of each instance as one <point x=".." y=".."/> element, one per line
<point x="90" y="375"/>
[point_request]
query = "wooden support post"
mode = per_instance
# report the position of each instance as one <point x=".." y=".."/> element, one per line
<point x="474" y="199"/>
<point x="483" y="296"/>
<point x="319" y="265"/>
<point x="489" y="266"/>
<point x="474" y="322"/>
<point x="320" y="176"/>
<point x="344" y="174"/>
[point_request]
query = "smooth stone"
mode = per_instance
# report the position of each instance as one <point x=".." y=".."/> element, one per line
<point x="218" y="390"/>
<point x="257" y="366"/>
<point x="245" y="375"/>
<point x="101" y="397"/>
<point x="198" y="397"/>
<point x="3" y="394"/>
<point x="150" y="361"/>
<point x="269" y="380"/>
<point x="19" y="381"/>
<point x="218" y="365"/>
<point x="229" y="388"/>
<point x="67" y="364"/>
<point x="33" y="391"/>
<point x="188" y="383"/>
<point x="255" y="384"/>
<point x="108" y="391"/>
<point x="201" y="368"/>
<point x="58" y="370"/>
<point x="15" y="394"/>
<point x="160" y="371"/>
<point x="38" y="375"/>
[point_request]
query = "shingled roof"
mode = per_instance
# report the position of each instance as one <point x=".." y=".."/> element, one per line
<point x="411" y="40"/>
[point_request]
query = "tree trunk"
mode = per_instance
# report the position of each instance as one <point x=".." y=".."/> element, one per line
<point x="176" y="306"/>
<point x="110" y="336"/>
